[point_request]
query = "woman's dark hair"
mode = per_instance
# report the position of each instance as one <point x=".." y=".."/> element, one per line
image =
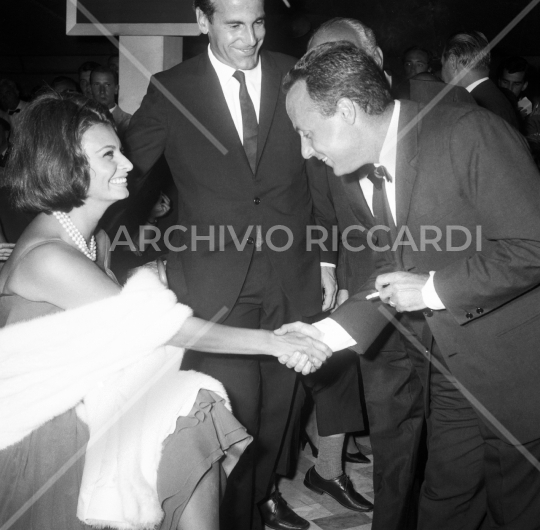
<point x="48" y="169"/>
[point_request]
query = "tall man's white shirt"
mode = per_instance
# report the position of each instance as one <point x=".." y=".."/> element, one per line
<point x="231" y="89"/>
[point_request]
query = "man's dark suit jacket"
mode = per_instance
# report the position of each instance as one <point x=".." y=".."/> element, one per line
<point x="487" y="95"/>
<point x="423" y="91"/>
<point x="465" y="167"/>
<point x="219" y="190"/>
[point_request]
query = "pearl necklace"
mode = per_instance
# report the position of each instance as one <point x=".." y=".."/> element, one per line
<point x="65" y="220"/>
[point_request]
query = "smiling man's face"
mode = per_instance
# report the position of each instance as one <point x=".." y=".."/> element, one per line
<point x="236" y="32"/>
<point x="332" y="139"/>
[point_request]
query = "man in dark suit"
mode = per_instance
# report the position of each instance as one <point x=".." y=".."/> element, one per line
<point x="244" y="205"/>
<point x="457" y="214"/>
<point x="392" y="386"/>
<point x="465" y="62"/>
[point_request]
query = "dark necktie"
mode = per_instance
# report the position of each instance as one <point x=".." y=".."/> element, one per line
<point x="249" y="121"/>
<point x="11" y="112"/>
<point x="381" y="207"/>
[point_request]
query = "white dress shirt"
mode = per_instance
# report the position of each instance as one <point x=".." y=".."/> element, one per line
<point x="334" y="335"/>
<point x="231" y="89"/>
<point x="472" y="86"/>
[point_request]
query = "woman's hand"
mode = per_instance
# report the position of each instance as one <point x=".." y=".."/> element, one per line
<point x="5" y="250"/>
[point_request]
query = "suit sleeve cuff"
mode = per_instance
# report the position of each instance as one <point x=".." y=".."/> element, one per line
<point x="430" y="296"/>
<point x="334" y="336"/>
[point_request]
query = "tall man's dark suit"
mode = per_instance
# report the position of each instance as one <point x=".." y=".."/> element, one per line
<point x="487" y="95"/>
<point x="259" y="288"/>
<point x="464" y="167"/>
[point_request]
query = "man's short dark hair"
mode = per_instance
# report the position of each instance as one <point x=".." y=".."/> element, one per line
<point x="48" y="169"/>
<point x="417" y="49"/>
<point x="207" y="7"/>
<point x="88" y="66"/>
<point x="514" y="65"/>
<point x="104" y="70"/>
<point x="63" y="79"/>
<point x="336" y="70"/>
<point x="470" y="48"/>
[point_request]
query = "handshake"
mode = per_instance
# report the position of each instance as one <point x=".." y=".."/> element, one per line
<point x="299" y="346"/>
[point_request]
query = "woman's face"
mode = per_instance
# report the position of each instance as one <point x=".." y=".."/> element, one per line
<point x="108" y="166"/>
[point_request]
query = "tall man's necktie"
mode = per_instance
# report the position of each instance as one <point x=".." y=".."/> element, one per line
<point x="249" y="121"/>
<point x="381" y="207"/>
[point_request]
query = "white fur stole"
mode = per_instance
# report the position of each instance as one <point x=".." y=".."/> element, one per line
<point x="107" y="359"/>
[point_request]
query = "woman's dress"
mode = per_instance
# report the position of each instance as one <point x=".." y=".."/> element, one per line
<point x="40" y="488"/>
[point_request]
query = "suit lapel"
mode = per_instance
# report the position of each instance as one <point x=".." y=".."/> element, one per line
<point x="212" y="109"/>
<point x="407" y="152"/>
<point x="270" y="90"/>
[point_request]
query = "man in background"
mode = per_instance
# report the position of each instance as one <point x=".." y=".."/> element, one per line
<point x="84" y="77"/>
<point x="64" y="85"/>
<point x="415" y="61"/>
<point x="11" y="102"/>
<point x="465" y="62"/>
<point x="514" y="77"/>
<point x="104" y="84"/>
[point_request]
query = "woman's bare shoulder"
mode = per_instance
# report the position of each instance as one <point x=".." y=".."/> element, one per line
<point x="53" y="271"/>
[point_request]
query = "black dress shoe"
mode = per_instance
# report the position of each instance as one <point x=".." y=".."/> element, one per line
<point x="341" y="489"/>
<point x="276" y="514"/>
<point x="357" y="458"/>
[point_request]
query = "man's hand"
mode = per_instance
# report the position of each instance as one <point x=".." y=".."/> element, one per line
<point x="402" y="290"/>
<point x="329" y="287"/>
<point x="342" y="297"/>
<point x="309" y="351"/>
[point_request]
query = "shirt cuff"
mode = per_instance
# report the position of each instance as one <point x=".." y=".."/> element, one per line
<point x="430" y="296"/>
<point x="334" y="336"/>
<point x="324" y="264"/>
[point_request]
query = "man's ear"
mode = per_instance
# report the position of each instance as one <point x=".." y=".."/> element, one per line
<point x="117" y="89"/>
<point x="202" y="21"/>
<point x="453" y="63"/>
<point x="347" y="110"/>
<point x="525" y="85"/>
<point x="378" y="57"/>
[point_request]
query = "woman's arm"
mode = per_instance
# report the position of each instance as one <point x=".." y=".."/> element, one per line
<point x="198" y="334"/>
<point x="63" y="276"/>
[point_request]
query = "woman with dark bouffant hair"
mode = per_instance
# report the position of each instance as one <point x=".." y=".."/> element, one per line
<point x="99" y="425"/>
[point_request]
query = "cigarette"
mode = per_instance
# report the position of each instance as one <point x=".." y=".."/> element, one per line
<point x="372" y="296"/>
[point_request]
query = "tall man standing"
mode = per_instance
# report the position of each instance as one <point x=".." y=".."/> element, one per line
<point x="464" y="190"/>
<point x="236" y="162"/>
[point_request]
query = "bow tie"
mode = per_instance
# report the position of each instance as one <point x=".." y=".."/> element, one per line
<point x="381" y="173"/>
<point x="11" y="112"/>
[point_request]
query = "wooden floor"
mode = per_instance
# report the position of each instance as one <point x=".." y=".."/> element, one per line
<point x="321" y="510"/>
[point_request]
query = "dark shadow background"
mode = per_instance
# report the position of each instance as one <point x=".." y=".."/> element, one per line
<point x="34" y="47"/>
